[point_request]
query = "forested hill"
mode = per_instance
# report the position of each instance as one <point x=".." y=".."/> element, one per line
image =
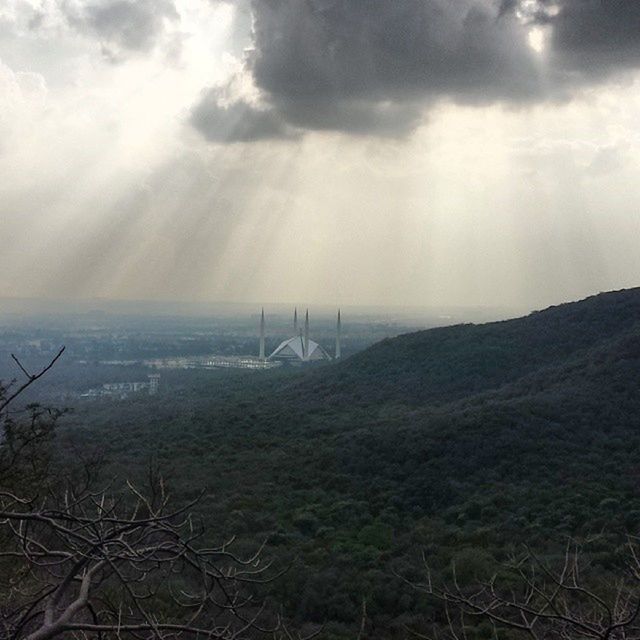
<point x="467" y="441"/>
<point x="448" y="363"/>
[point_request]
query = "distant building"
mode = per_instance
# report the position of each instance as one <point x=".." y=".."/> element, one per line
<point x="121" y="390"/>
<point x="154" y="381"/>
<point x="300" y="348"/>
<point x="294" y="349"/>
<point x="125" y="387"/>
<point x="262" y="348"/>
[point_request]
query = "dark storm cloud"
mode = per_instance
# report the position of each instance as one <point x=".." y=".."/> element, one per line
<point x="123" y="25"/>
<point x="589" y="38"/>
<point x="237" y="121"/>
<point x="596" y="37"/>
<point x="374" y="66"/>
<point x="388" y="50"/>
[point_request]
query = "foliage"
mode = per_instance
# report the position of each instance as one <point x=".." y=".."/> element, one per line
<point x="83" y="562"/>
<point x="466" y="442"/>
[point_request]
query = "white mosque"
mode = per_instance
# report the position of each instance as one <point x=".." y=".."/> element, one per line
<point x="300" y="348"/>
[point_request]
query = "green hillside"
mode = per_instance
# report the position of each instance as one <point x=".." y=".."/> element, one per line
<point x="454" y="362"/>
<point x="466" y="441"/>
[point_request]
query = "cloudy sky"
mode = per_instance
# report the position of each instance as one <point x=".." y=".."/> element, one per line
<point x="389" y="152"/>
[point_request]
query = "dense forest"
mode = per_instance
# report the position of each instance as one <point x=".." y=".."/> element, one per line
<point x="464" y="444"/>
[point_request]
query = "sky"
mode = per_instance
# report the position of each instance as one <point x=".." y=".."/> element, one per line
<point x="375" y="152"/>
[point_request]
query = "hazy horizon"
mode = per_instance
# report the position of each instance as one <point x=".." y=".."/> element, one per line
<point x="193" y="308"/>
<point x="407" y="153"/>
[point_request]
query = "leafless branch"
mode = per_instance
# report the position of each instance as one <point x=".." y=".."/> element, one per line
<point x="546" y="604"/>
<point x="85" y="566"/>
<point x="31" y="378"/>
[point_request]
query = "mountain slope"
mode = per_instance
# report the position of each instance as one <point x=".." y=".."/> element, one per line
<point x="444" y="364"/>
<point x="466" y="441"/>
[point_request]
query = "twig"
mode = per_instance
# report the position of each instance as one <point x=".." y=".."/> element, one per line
<point x="31" y="378"/>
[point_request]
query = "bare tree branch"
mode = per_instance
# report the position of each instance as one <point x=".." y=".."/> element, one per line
<point x="86" y="567"/>
<point x="31" y="378"/>
<point x="546" y="604"/>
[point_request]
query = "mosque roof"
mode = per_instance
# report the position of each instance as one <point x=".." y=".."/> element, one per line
<point x="293" y="349"/>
